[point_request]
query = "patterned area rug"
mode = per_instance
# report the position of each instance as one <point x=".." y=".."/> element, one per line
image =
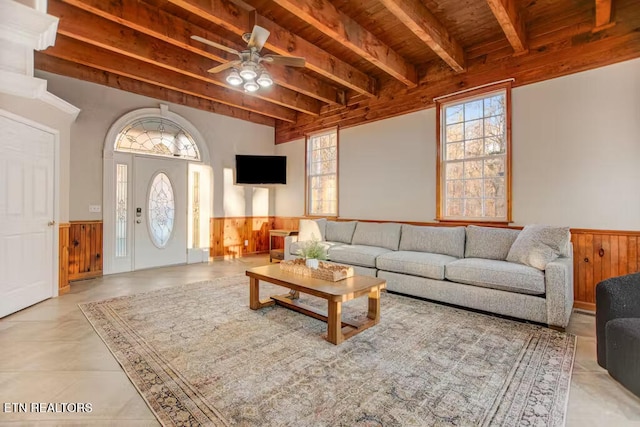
<point x="199" y="356"/>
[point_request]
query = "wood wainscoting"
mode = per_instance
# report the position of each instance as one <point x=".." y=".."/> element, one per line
<point x="85" y="250"/>
<point x="229" y="234"/>
<point x="63" y="258"/>
<point x="597" y="255"/>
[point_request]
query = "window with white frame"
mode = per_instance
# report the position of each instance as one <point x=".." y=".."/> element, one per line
<point x="322" y="173"/>
<point x="157" y="136"/>
<point x="474" y="156"/>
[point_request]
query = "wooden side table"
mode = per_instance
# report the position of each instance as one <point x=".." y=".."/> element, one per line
<point x="278" y="254"/>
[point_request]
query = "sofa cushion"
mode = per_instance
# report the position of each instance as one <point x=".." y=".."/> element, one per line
<point x="538" y="245"/>
<point x="489" y="242"/>
<point x="310" y="229"/>
<point x="494" y="274"/>
<point x="356" y="254"/>
<point x="295" y="247"/>
<point x="437" y="240"/>
<point x="340" y="231"/>
<point x="422" y="264"/>
<point x="384" y="235"/>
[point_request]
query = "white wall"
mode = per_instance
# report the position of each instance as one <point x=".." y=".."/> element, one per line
<point x="290" y="197"/>
<point x="101" y="106"/>
<point x="387" y="169"/>
<point x="576" y="157"/>
<point x="576" y="149"/>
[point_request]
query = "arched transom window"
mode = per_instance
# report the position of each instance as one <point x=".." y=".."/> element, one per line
<point x="157" y="136"/>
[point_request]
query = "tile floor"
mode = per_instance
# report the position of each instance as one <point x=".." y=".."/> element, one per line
<point x="50" y="353"/>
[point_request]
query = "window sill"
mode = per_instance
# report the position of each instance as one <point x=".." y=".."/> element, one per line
<point x="328" y="217"/>
<point x="474" y="222"/>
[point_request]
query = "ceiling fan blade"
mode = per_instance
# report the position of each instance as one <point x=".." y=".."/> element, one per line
<point x="216" y="45"/>
<point x="258" y="37"/>
<point x="224" y="66"/>
<point x="291" y="61"/>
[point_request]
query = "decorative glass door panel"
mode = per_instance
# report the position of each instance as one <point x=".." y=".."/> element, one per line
<point x="122" y="210"/>
<point x="160" y="212"/>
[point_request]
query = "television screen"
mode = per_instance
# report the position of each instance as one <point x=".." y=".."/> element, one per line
<point x="261" y="169"/>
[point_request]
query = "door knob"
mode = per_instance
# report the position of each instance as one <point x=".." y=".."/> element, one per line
<point x="138" y="221"/>
<point x="51" y="223"/>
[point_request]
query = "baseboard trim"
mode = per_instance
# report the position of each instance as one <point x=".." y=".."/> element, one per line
<point x="84" y="276"/>
<point x="223" y="257"/>
<point x="586" y="306"/>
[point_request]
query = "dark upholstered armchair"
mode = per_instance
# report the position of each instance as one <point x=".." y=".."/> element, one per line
<point x="618" y="329"/>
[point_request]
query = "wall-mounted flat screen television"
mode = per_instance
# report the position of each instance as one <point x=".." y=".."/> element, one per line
<point x="261" y="169"/>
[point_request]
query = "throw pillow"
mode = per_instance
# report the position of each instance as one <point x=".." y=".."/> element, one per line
<point x="311" y="229"/>
<point x="489" y="242"/>
<point x="538" y="245"/>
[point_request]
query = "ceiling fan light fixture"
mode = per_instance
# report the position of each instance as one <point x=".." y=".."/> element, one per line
<point x="248" y="72"/>
<point x="265" y="79"/>
<point x="251" y="86"/>
<point x="234" y="78"/>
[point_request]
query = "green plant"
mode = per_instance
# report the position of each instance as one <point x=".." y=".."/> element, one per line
<point x="312" y="249"/>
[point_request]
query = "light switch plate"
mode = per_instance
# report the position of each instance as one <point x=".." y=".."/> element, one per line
<point x="95" y="208"/>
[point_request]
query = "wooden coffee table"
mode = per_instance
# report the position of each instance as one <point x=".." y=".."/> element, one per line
<point x="334" y="292"/>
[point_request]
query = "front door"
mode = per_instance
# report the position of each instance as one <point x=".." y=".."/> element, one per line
<point x="159" y="212"/>
<point x="26" y="215"/>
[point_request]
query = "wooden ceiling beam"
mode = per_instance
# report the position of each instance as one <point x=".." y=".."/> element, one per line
<point x="89" y="28"/>
<point x="228" y="15"/>
<point x="157" y="23"/>
<point x="550" y="56"/>
<point x="102" y="59"/>
<point x="512" y="23"/>
<point x="315" y="88"/>
<point x="324" y="16"/>
<point x="82" y="72"/>
<point x="603" y="15"/>
<point x="415" y="15"/>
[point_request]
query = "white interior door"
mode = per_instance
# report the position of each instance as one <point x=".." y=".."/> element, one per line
<point x="26" y="215"/>
<point x="159" y="212"/>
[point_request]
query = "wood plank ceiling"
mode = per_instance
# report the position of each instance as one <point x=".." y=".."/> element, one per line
<point x="365" y="60"/>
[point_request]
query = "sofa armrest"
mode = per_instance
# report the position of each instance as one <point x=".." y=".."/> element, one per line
<point x="559" y="285"/>
<point x="288" y="240"/>
<point x="615" y="298"/>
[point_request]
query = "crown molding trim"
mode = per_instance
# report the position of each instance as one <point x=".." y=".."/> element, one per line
<point x="34" y="88"/>
<point x="22" y="85"/>
<point x="62" y="105"/>
<point x="26" y="26"/>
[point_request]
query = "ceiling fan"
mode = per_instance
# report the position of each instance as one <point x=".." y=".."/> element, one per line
<point x="248" y="68"/>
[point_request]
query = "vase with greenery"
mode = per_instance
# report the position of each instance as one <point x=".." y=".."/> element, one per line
<point x="312" y="251"/>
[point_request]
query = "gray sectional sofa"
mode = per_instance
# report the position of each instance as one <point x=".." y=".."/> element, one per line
<point x="525" y="274"/>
